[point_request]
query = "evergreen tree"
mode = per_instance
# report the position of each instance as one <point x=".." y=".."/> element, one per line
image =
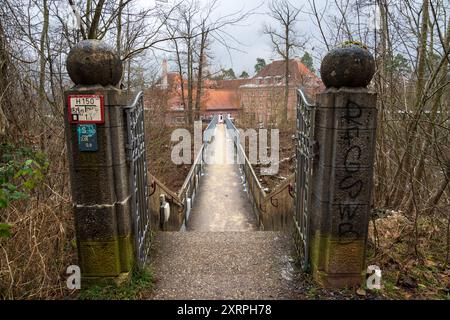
<point x="260" y="63"/>
<point x="307" y="60"/>
<point x="244" y="75"/>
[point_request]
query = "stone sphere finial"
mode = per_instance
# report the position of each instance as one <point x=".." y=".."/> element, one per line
<point x="352" y="65"/>
<point x="93" y="62"/>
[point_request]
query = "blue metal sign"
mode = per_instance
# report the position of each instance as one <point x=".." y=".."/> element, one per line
<point x="87" y="137"/>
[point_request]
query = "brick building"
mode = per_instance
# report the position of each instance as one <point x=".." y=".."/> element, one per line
<point x="221" y="97"/>
<point x="163" y="100"/>
<point x="257" y="100"/>
<point x="262" y="97"/>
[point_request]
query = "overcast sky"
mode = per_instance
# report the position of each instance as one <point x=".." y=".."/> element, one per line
<point x="252" y="43"/>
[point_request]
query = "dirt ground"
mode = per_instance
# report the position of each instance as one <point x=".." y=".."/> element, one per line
<point x="160" y="165"/>
<point x="159" y="150"/>
<point x="286" y="160"/>
<point x="414" y="263"/>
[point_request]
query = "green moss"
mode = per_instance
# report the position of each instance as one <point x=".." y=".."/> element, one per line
<point x="126" y="248"/>
<point x="350" y="43"/>
<point x="141" y="282"/>
<point x="330" y="257"/>
<point x="318" y="249"/>
<point x="99" y="258"/>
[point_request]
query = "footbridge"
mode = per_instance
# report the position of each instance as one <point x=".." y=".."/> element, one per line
<point x="221" y="235"/>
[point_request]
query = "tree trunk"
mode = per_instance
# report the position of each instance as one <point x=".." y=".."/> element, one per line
<point x="119" y="29"/>
<point x="3" y="81"/>
<point x="93" y="28"/>
<point x="43" y="58"/>
<point x="180" y="72"/>
<point x="405" y="162"/>
<point x="434" y="200"/>
<point x="381" y="77"/>
<point x="190" y="80"/>
<point x="420" y="167"/>
<point x="286" y="81"/>
<point x="200" y="73"/>
<point x="88" y="12"/>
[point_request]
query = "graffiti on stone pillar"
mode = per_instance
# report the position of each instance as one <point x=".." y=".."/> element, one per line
<point x="351" y="183"/>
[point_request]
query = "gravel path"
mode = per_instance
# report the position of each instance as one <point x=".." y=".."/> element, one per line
<point x="223" y="265"/>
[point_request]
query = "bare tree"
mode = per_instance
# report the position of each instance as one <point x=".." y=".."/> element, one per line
<point x="192" y="29"/>
<point x="4" y="60"/>
<point x="201" y="62"/>
<point x="285" y="40"/>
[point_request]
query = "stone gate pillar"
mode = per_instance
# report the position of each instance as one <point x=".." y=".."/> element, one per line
<point x="96" y="135"/>
<point x="345" y="130"/>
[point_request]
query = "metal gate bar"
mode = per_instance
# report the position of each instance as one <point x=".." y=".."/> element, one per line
<point x="137" y="158"/>
<point x="303" y="174"/>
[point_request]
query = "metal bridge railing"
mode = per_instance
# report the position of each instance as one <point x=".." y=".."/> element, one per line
<point x="303" y="174"/>
<point x="189" y="189"/>
<point x="210" y="129"/>
<point x="251" y="181"/>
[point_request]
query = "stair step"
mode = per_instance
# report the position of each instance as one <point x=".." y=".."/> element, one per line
<point x="223" y="265"/>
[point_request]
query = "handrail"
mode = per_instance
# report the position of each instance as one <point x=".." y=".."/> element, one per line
<point x="280" y="188"/>
<point x="212" y="123"/>
<point x="211" y="126"/>
<point x="302" y="95"/>
<point x="199" y="157"/>
<point x="242" y="152"/>
<point x="255" y="177"/>
<point x="186" y="182"/>
<point x="190" y="184"/>
<point x="139" y="95"/>
<point x="164" y="188"/>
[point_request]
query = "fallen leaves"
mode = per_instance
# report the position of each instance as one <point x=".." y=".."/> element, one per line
<point x="361" y="292"/>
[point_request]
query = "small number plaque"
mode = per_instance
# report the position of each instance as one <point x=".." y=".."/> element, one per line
<point x="87" y="137"/>
<point x="86" y="109"/>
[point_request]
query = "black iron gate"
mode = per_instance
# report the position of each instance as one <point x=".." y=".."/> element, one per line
<point x="136" y="156"/>
<point x="303" y="175"/>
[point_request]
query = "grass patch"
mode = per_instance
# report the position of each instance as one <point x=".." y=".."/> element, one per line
<point x="141" y="282"/>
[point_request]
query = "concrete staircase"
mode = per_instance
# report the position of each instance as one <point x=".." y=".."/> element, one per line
<point x="223" y="265"/>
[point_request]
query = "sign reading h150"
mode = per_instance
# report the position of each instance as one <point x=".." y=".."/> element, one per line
<point x="87" y="109"/>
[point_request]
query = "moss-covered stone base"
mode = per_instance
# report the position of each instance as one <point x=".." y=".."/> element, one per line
<point x="335" y="263"/>
<point x="99" y="258"/>
<point x="126" y="247"/>
<point x="330" y="280"/>
<point x="122" y="278"/>
<point x="106" y="258"/>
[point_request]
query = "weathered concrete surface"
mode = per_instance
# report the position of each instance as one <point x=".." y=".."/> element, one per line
<point x="101" y="193"/>
<point x="221" y="203"/>
<point x="350" y="66"/>
<point x="92" y="62"/>
<point x="223" y="265"/>
<point x="345" y="128"/>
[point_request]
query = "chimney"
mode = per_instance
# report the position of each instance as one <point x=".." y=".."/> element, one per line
<point x="164" y="81"/>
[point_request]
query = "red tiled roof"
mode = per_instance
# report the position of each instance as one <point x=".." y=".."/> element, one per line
<point x="227" y="84"/>
<point x="277" y="68"/>
<point x="217" y="99"/>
